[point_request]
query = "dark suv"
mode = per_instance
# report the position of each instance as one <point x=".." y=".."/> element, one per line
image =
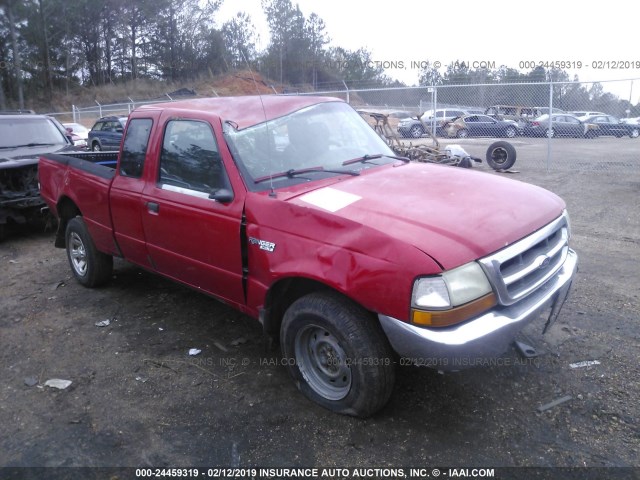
<point x="106" y="134"/>
<point x="25" y="136"/>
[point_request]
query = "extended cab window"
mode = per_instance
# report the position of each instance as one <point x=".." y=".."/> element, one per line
<point x="190" y="160"/>
<point x="134" y="148"/>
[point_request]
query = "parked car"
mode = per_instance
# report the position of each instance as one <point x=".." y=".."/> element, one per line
<point x="544" y="110"/>
<point x="79" y="133"/>
<point x="106" y="133"/>
<point x="582" y="114"/>
<point x="327" y="243"/>
<point x="561" y="125"/>
<point x="480" y="126"/>
<point x="411" y="127"/>
<point x="519" y="114"/>
<point x="631" y="120"/>
<point x="610" y="125"/>
<point x="25" y="136"/>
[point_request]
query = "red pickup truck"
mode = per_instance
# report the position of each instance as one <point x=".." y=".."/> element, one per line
<point x="294" y="211"/>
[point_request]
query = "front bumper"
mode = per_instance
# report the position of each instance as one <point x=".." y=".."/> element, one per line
<point x="477" y="341"/>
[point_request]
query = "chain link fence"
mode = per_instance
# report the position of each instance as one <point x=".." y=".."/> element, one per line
<point x="553" y="126"/>
<point x="89" y="114"/>
<point x="589" y="128"/>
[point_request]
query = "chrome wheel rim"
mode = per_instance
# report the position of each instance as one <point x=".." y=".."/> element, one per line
<point x="499" y="155"/>
<point x="323" y="362"/>
<point x="78" y="254"/>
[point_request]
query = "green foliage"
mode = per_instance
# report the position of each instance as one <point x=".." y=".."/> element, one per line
<point x="240" y="40"/>
<point x="61" y="45"/>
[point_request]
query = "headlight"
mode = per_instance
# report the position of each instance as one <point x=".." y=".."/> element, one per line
<point x="452" y="297"/>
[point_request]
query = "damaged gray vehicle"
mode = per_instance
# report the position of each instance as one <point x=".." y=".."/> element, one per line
<point x="23" y="138"/>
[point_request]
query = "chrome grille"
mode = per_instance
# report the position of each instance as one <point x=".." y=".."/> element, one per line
<point x="521" y="268"/>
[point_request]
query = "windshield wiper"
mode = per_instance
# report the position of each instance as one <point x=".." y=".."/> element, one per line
<point x="28" y="145"/>
<point x="301" y="171"/>
<point x="366" y="158"/>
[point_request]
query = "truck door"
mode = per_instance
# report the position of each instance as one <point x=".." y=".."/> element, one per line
<point x="126" y="193"/>
<point x="191" y="236"/>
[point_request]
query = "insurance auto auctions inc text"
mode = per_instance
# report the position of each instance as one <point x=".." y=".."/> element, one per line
<point x="372" y="473"/>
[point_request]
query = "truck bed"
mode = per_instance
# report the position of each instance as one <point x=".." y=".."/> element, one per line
<point x="98" y="163"/>
<point x="81" y="179"/>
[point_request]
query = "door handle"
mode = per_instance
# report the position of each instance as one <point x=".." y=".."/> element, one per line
<point x="153" y="207"/>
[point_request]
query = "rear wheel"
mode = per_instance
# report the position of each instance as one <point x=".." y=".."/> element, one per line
<point x="550" y="133"/>
<point x="89" y="266"/>
<point x="510" y="132"/>
<point x="634" y="133"/>
<point x="501" y="155"/>
<point x="337" y="354"/>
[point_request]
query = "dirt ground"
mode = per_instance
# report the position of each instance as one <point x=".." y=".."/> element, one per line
<point x="138" y="399"/>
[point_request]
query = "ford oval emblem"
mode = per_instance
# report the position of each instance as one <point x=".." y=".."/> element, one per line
<point x="543" y="261"/>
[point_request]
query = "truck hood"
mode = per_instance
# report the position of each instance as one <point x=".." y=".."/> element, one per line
<point x="453" y="215"/>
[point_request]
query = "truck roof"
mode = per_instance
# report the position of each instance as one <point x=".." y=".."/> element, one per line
<point x="245" y="111"/>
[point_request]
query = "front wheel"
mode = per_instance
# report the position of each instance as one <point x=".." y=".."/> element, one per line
<point x="337" y="354"/>
<point x="634" y="133"/>
<point x="462" y="133"/>
<point x="89" y="266"/>
<point x="501" y="155"/>
<point x="510" y="132"/>
<point x="96" y="147"/>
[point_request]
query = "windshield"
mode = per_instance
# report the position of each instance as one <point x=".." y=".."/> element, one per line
<point x="29" y="131"/>
<point x="311" y="143"/>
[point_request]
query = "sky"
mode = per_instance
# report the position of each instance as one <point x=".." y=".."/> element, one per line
<point x="598" y="41"/>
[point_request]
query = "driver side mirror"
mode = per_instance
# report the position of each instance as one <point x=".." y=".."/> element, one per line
<point x="222" y="195"/>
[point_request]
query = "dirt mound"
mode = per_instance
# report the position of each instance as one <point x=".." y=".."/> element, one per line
<point x="243" y="82"/>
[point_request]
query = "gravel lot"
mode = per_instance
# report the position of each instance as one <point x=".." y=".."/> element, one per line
<point x="138" y="399"/>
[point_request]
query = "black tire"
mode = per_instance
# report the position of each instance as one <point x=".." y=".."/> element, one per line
<point x="501" y="155"/>
<point x="89" y="266"/>
<point x="510" y="132"/>
<point x="590" y="134"/>
<point x="416" y="131"/>
<point x="462" y="133"/>
<point x="549" y="133"/>
<point x="95" y="146"/>
<point x="337" y="354"/>
<point x="634" y="133"/>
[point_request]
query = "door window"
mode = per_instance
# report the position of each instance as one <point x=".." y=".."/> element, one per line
<point x="190" y="162"/>
<point x="134" y="148"/>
